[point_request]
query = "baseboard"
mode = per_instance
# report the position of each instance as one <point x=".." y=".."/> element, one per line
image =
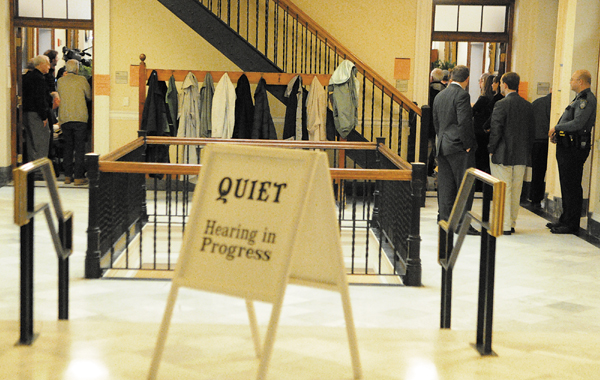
<point x="5" y="175"/>
<point x="593" y="228"/>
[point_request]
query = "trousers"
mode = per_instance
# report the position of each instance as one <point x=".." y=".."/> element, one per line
<point x="74" y="135"/>
<point x="570" y="172"/>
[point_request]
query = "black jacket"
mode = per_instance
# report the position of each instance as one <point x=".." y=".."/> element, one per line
<point x="154" y="118"/>
<point x="244" y="110"/>
<point x="36" y="97"/>
<point x="263" y="126"/>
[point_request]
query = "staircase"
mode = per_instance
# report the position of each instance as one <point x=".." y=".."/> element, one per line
<point x="276" y="36"/>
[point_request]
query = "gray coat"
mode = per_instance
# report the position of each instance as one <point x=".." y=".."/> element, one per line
<point x="453" y="121"/>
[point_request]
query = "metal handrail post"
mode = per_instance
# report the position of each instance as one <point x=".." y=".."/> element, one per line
<point x="445" y="246"/>
<point x="65" y="230"/>
<point x="485" y="307"/>
<point x="27" y="337"/>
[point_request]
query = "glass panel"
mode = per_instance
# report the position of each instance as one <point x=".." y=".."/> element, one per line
<point x="462" y="54"/>
<point x="446" y="17"/>
<point x="30" y="8"/>
<point x="80" y="10"/>
<point x="494" y="18"/>
<point x="55" y="9"/>
<point x="469" y="19"/>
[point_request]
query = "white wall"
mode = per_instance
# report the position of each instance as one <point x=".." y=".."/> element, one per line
<point x="5" y="84"/>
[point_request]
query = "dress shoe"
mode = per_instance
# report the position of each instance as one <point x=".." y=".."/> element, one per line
<point x="553" y="225"/>
<point x="472" y="231"/>
<point x="68" y="180"/>
<point x="564" y="230"/>
<point x="81" y="181"/>
<point x="512" y="230"/>
<point x="507" y="233"/>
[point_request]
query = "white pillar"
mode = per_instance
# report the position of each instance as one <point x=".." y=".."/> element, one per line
<point x="101" y="76"/>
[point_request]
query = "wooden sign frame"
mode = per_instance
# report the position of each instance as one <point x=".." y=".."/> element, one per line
<point x="274" y="212"/>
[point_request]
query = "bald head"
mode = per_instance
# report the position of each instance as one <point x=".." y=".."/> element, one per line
<point x="581" y="80"/>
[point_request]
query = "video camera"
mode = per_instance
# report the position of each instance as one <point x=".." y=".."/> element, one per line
<point x="77" y="55"/>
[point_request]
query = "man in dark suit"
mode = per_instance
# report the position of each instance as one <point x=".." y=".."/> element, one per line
<point x="456" y="144"/>
<point x="539" y="153"/>
<point x="511" y="138"/>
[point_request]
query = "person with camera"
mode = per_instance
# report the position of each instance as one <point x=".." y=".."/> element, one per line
<point x="74" y="90"/>
<point x="572" y="136"/>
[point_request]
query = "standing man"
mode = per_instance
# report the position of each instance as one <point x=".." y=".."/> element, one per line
<point x="36" y="109"/>
<point x="511" y="137"/>
<point x="453" y="122"/>
<point x="435" y="87"/>
<point x="572" y="136"/>
<point x="74" y="90"/>
<point x="539" y="153"/>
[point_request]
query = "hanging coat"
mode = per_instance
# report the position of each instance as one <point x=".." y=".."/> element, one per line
<point x="263" y="126"/>
<point x="154" y="118"/>
<point x="343" y="90"/>
<point x="223" y="111"/>
<point x="189" y="116"/>
<point x="294" y="126"/>
<point x="316" y="111"/>
<point x="172" y="107"/>
<point x="244" y="109"/>
<point x="206" y="104"/>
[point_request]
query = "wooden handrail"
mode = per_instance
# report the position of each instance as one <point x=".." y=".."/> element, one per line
<point x="158" y="140"/>
<point x="189" y="169"/>
<point x="367" y="71"/>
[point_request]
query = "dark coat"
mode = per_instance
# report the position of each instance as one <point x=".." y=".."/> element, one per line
<point x="512" y="131"/>
<point x="36" y="97"/>
<point x="289" y="125"/>
<point x="154" y="118"/>
<point x="263" y="126"/>
<point x="453" y="121"/>
<point x="244" y="109"/>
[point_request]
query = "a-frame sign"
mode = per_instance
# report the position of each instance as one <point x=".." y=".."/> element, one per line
<point x="261" y="218"/>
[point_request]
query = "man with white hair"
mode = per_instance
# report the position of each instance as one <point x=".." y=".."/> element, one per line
<point x="74" y="90"/>
<point x="36" y="109"/>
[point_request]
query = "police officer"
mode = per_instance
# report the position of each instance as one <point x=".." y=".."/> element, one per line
<point x="572" y="136"/>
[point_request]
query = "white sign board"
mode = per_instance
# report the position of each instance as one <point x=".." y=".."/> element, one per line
<point x="261" y="217"/>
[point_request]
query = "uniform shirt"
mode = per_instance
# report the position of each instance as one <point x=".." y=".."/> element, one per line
<point x="580" y="115"/>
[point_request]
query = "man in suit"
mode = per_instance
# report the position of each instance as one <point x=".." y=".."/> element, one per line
<point x="456" y="144"/>
<point x="511" y="138"/>
<point x="539" y="153"/>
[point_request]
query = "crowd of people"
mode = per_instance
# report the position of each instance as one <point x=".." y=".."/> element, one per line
<point x="502" y="134"/>
<point x="47" y="101"/>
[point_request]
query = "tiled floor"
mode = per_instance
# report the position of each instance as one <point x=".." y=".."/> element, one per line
<point x="546" y="317"/>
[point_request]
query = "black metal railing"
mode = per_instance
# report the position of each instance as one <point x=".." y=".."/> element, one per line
<point x="491" y="220"/>
<point x="148" y="237"/>
<point x="295" y="43"/>
<point x="25" y="210"/>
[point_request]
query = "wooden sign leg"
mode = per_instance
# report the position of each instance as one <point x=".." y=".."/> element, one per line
<point x="270" y="338"/>
<point x="350" y="329"/>
<point x="254" y="327"/>
<point x="162" y="334"/>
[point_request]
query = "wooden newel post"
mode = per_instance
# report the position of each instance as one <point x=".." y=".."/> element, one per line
<point x="142" y="86"/>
